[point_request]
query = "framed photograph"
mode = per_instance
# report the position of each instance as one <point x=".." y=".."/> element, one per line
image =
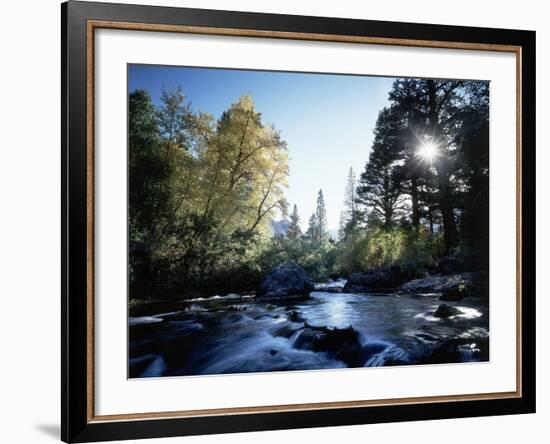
<point x="275" y="221"/>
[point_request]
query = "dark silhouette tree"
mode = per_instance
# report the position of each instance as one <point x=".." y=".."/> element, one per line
<point x="435" y="113"/>
<point x="379" y="189"/>
<point x="148" y="192"/>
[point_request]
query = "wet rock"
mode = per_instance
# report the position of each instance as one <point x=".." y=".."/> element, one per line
<point x="340" y="343"/>
<point x="287" y="280"/>
<point x="453" y="286"/>
<point x="303" y="338"/>
<point x="446" y="311"/>
<point x="237" y="308"/>
<point x="458" y="350"/>
<point x="295" y="316"/>
<point x="286" y="330"/>
<point x="377" y="279"/>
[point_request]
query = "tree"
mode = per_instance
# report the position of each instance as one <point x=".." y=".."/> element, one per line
<point x="246" y="166"/>
<point x="342" y="226"/>
<point x="379" y="190"/>
<point x="148" y="194"/>
<point x="321" y="218"/>
<point x="317" y="227"/>
<point x="175" y="119"/>
<point x="435" y="104"/>
<point x="294" y="226"/>
<point x="350" y="214"/>
<point x="202" y="192"/>
<point x="472" y="141"/>
<point x="312" y="227"/>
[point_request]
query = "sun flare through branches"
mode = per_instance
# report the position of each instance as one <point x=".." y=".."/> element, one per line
<point x="428" y="151"/>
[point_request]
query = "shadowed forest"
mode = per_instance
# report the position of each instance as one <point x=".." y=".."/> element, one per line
<point x="207" y="207"/>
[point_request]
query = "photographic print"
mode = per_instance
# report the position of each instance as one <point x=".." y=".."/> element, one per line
<point x="282" y="221"/>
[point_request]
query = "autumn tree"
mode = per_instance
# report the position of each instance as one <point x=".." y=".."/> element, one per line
<point x="202" y="192"/>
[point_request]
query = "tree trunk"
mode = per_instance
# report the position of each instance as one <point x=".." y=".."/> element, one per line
<point x="445" y="204"/>
<point x="414" y="198"/>
<point x="442" y="167"/>
<point x="388" y="216"/>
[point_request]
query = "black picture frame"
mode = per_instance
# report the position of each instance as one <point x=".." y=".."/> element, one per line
<point x="76" y="423"/>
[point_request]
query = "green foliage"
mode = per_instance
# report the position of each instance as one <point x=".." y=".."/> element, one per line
<point x="149" y="191"/>
<point x="448" y="189"/>
<point x="202" y="195"/>
<point x="294" y="229"/>
<point x="317" y="228"/>
<point x="318" y="259"/>
<point x="379" y="190"/>
<point x="412" y="248"/>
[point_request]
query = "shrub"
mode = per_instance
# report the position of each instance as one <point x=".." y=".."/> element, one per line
<point x="412" y="248"/>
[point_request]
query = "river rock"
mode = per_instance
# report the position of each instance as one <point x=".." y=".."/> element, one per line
<point x="287" y="280"/>
<point x="341" y="343"/>
<point x="452" y="287"/>
<point x="377" y="279"/>
<point x="295" y="316"/>
<point x="445" y="311"/>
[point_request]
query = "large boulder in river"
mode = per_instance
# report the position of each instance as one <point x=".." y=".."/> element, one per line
<point x="377" y="279"/>
<point x="340" y="343"/>
<point x="287" y="280"/>
<point x="446" y="311"/>
<point x="452" y="287"/>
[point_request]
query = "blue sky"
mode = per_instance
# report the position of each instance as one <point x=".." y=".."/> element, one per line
<point x="327" y="120"/>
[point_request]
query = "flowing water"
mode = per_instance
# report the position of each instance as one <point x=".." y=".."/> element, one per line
<point x="236" y="334"/>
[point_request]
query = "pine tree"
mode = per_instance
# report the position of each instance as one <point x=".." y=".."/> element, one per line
<point x="312" y="228"/>
<point x="350" y="216"/>
<point x="321" y="218"/>
<point x="435" y="104"/>
<point x="379" y="189"/>
<point x="342" y="226"/>
<point x="294" y="227"/>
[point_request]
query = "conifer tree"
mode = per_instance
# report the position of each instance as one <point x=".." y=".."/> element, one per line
<point x="321" y="218"/>
<point x="294" y="227"/>
<point x="378" y="190"/>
